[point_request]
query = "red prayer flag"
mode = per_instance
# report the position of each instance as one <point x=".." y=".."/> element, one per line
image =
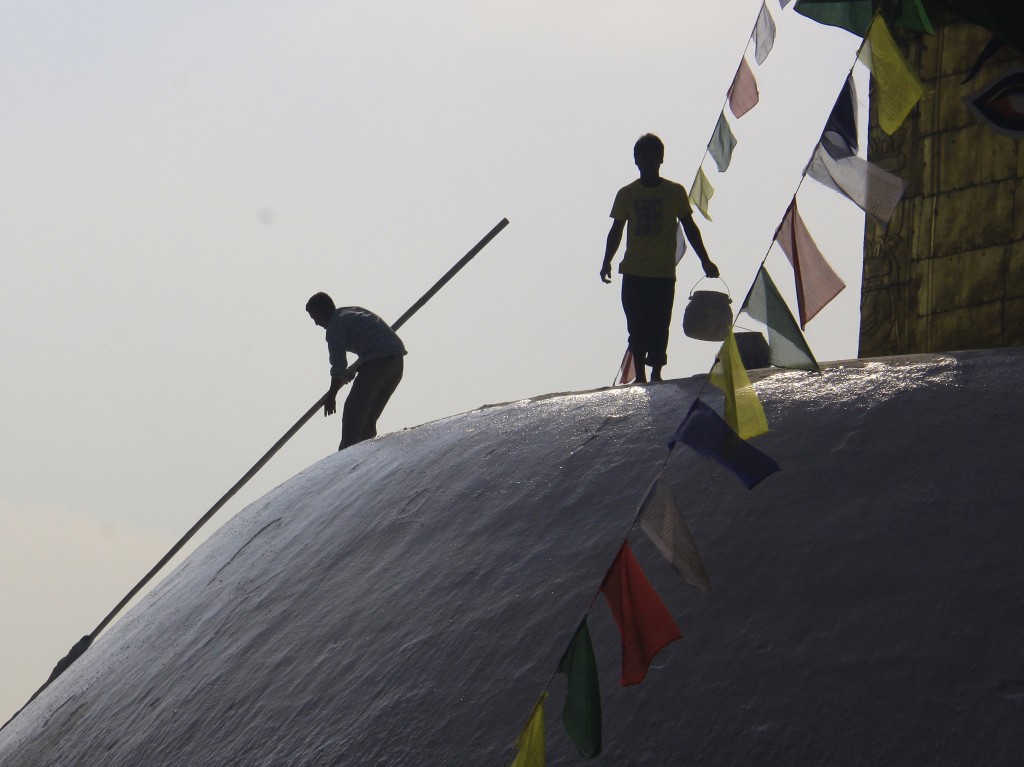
<point x="644" y="623"/>
<point x="627" y="370"/>
<point x="743" y="91"/>
<point x="816" y="283"/>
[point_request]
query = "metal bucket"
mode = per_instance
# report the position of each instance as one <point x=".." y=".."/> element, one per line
<point x="708" y="315"/>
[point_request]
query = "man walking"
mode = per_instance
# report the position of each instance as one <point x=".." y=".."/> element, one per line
<point x="650" y="206"/>
<point x="380" y="352"/>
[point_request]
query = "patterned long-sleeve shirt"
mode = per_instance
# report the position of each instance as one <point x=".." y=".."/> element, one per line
<point x="360" y="331"/>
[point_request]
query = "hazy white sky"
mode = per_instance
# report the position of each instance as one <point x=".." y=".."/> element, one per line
<point x="179" y="178"/>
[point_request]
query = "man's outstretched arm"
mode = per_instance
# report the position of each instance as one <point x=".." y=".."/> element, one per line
<point x="693" y="235"/>
<point x="331" y="399"/>
<point x="611" y="245"/>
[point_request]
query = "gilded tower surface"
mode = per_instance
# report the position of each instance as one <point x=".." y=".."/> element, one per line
<point x="948" y="272"/>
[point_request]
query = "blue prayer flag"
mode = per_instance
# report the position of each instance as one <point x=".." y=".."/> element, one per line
<point x="839" y="138"/>
<point x="708" y="433"/>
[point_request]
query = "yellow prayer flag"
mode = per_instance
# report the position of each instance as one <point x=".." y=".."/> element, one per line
<point x="897" y="86"/>
<point x="530" y="743"/>
<point x="700" y="193"/>
<point x="743" y="410"/>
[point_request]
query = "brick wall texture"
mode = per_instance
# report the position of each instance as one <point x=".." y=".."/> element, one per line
<point x="948" y="272"/>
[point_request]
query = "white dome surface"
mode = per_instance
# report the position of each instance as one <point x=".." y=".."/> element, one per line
<point x="406" y="601"/>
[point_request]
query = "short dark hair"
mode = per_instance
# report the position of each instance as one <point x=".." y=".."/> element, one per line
<point x="649" y="145"/>
<point x="320" y="303"/>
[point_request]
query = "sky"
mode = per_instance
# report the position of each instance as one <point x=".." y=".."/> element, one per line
<point x="179" y="178"/>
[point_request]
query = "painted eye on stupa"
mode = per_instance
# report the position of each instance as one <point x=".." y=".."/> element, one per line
<point x="1001" y="104"/>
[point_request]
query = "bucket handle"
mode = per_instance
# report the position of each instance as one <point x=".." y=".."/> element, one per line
<point x="728" y="292"/>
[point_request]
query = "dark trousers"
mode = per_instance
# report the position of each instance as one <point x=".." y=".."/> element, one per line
<point x="373" y="386"/>
<point x="647" y="302"/>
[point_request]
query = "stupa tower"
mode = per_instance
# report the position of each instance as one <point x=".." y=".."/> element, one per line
<point x="948" y="272"/>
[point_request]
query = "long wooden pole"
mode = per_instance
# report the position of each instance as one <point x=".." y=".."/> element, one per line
<point x="291" y="432"/>
<point x="83" y="644"/>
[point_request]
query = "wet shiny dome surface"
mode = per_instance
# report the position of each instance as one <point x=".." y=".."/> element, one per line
<point x="406" y="601"/>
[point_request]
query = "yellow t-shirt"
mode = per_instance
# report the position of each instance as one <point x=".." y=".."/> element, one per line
<point x="651" y="214"/>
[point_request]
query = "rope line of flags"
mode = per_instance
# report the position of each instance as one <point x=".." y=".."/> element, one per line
<point x="645" y="624"/>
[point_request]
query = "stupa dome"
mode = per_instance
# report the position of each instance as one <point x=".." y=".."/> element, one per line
<point x="406" y="601"/>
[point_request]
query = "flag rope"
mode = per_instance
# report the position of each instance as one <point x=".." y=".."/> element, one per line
<point x="764" y="260"/>
<point x="707" y="378"/>
<point x="725" y="101"/>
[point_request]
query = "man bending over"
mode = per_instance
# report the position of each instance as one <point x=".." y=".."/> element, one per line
<point x="380" y="351"/>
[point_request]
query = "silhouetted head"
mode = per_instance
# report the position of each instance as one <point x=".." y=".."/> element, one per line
<point x="648" y="151"/>
<point x="320" y="308"/>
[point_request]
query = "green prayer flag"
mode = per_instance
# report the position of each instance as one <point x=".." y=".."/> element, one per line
<point x="913" y="16"/>
<point x="701" y="192"/>
<point x="722" y="143"/>
<point x="581" y="714"/>
<point x="765" y="304"/>
<point x="851" y="15"/>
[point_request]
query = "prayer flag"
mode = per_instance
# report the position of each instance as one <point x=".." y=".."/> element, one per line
<point x="743" y="410"/>
<point x="840" y="135"/>
<point x="765" y="304"/>
<point x="764" y="35"/>
<point x="680" y="242"/>
<point x="913" y="16"/>
<point x="875" y="191"/>
<point x="705" y="431"/>
<point x="627" y="370"/>
<point x="581" y="714"/>
<point x="532" y="749"/>
<point x="643" y="621"/>
<point x="701" y="193"/>
<point x="851" y="15"/>
<point x="897" y="87"/>
<point x="722" y="144"/>
<point x="743" y="94"/>
<point x="835" y="164"/>
<point x="816" y="283"/>
<point x="663" y="522"/>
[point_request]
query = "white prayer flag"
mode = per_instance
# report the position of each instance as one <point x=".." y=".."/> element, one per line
<point x="661" y="519"/>
<point x="875" y="191"/>
<point x="680" y="242"/>
<point x="764" y="35"/>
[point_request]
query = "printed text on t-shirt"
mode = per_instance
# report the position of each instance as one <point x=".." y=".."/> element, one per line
<point x="648" y="217"/>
